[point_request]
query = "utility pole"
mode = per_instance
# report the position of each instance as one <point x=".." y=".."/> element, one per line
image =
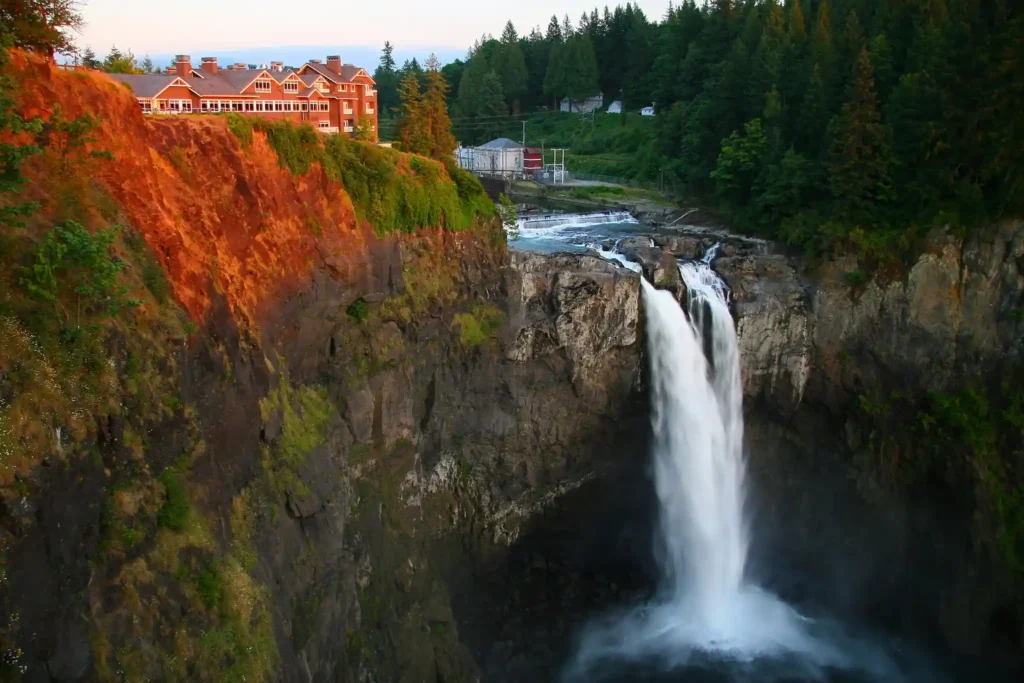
<point x="524" y="135"/>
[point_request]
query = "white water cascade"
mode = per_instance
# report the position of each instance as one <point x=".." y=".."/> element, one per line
<point x="705" y="601"/>
<point x="557" y="222"/>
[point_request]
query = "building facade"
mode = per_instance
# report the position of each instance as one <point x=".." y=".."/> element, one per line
<point x="333" y="97"/>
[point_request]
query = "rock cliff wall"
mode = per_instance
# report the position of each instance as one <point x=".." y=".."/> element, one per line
<point x="893" y="402"/>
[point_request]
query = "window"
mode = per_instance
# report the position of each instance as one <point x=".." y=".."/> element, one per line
<point x="305" y="106"/>
<point x="263" y="85"/>
<point x="323" y="123"/>
<point x="186" y="106"/>
<point x="291" y="86"/>
<point x="321" y="86"/>
<point x="250" y="106"/>
<point x="278" y="106"/>
<point x="325" y="106"/>
<point x="204" y="105"/>
<point x="343" y="87"/>
<point x="147" y="106"/>
<point x="369" y="108"/>
<point x="259" y="106"/>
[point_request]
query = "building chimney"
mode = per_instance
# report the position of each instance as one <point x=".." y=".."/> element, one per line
<point x="210" y="64"/>
<point x="183" y="65"/>
<point x="334" y="63"/>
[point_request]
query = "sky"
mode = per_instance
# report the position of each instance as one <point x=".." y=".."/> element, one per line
<point x="250" y="30"/>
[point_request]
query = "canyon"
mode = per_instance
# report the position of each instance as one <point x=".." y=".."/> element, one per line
<point x="422" y="455"/>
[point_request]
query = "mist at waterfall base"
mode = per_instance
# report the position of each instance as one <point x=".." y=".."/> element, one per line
<point x="708" y="620"/>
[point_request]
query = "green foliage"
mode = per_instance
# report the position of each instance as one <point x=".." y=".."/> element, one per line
<point x="394" y="199"/>
<point x="13" y="151"/>
<point x="509" y="217"/>
<point x="860" y="158"/>
<point x="176" y="508"/>
<point x="478" y="326"/>
<point x="358" y="310"/>
<point x="70" y="260"/>
<point x="739" y="162"/>
<point x="305" y="413"/>
<point x="208" y="585"/>
<point x="242" y="127"/>
<point x="297" y="147"/>
<point x="394" y="192"/>
<point x="889" y="119"/>
<point x="117" y="62"/>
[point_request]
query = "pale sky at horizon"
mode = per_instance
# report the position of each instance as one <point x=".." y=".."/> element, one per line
<point x="207" y="26"/>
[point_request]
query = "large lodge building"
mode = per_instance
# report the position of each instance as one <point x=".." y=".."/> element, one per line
<point x="333" y="97"/>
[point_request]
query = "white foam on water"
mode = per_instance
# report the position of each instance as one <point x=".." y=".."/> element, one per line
<point x="553" y="225"/>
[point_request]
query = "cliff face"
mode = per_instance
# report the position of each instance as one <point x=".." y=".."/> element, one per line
<point x="305" y="457"/>
<point x="889" y="401"/>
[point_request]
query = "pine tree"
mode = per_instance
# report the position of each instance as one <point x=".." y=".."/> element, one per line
<point x="581" y="68"/>
<point x="386" y="78"/>
<point x="554" y="32"/>
<point x="89" y="59"/>
<point x="411" y="125"/>
<point x="435" y="111"/>
<point x="555" y="77"/>
<point x="492" y="104"/>
<point x="860" y="154"/>
<point x="510" y="65"/>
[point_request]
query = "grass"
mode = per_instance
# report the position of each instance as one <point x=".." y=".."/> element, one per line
<point x="479" y="325"/>
<point x="305" y="414"/>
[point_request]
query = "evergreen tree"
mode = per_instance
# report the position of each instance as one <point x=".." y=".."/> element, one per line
<point x="89" y="59"/>
<point x="491" y="104"/>
<point x="739" y="163"/>
<point x="580" y="68"/>
<point x="438" y="125"/>
<point x="860" y="160"/>
<point x="510" y="65"/>
<point x="147" y="65"/>
<point x="554" y="32"/>
<point x="412" y="122"/>
<point x="118" y="62"/>
<point x="386" y="78"/>
<point x="555" y="77"/>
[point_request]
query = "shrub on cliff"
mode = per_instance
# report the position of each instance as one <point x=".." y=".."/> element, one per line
<point x="395" y="192"/>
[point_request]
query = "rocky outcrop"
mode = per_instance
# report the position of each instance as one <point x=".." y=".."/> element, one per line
<point x="584" y="307"/>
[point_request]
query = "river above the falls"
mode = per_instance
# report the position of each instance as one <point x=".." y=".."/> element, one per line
<point x="551" y="230"/>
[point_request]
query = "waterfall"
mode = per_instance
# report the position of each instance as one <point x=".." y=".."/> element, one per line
<point x="705" y="601"/>
<point x="698" y="443"/>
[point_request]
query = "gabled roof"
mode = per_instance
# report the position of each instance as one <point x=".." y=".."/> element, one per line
<point x="146" y="85"/>
<point x="502" y="143"/>
<point x="349" y="72"/>
<point x="323" y="71"/>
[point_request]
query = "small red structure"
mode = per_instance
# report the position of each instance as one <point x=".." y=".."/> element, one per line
<point x="532" y="161"/>
<point x="334" y="98"/>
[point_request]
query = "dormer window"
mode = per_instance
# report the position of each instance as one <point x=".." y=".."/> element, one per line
<point x="263" y="85"/>
<point x="321" y="86"/>
<point x="291" y="87"/>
